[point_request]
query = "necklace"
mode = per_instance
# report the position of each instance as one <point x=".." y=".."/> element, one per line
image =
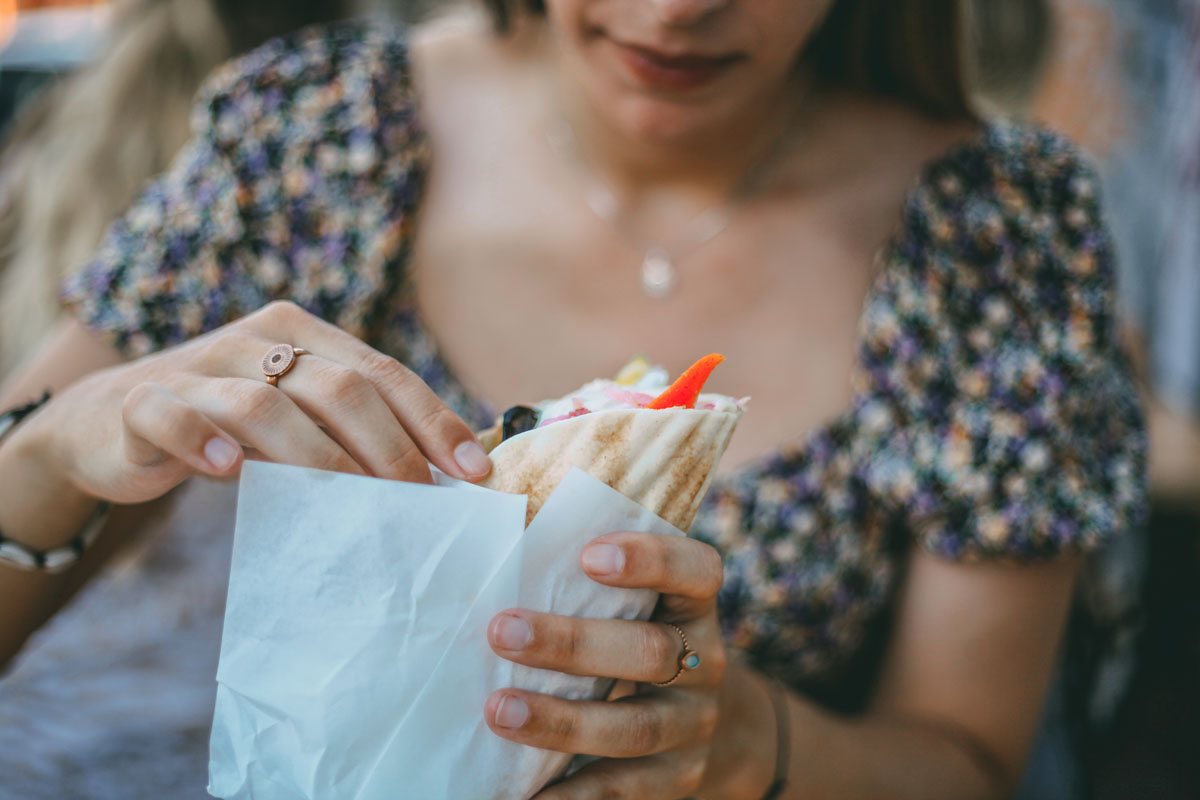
<point x="659" y="268"/>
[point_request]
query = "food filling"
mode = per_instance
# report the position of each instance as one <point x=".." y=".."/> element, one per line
<point x="638" y="385"/>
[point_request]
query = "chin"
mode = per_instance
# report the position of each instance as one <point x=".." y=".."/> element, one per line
<point x="657" y="123"/>
<point x="663" y="122"/>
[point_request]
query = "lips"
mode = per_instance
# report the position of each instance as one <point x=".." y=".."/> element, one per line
<point x="673" y="72"/>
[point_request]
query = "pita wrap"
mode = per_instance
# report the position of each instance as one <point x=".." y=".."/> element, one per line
<point x="662" y="459"/>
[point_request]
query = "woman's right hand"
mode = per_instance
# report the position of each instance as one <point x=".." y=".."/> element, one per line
<point x="131" y="433"/>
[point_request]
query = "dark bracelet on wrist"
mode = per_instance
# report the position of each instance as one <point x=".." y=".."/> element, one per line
<point x="783" y="740"/>
<point x="56" y="559"/>
<point x="13" y="417"/>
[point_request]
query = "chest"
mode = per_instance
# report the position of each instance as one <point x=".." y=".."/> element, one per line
<point x="528" y="293"/>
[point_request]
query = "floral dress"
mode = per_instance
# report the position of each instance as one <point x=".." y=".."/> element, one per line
<point x="993" y="416"/>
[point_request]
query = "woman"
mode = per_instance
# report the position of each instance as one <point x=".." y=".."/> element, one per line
<point x="932" y="401"/>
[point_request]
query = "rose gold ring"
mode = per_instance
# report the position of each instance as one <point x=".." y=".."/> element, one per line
<point x="279" y="360"/>
<point x="689" y="659"/>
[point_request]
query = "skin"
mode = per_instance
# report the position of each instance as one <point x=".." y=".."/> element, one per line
<point x="508" y="251"/>
<point x="836" y="199"/>
<point x="130" y="433"/>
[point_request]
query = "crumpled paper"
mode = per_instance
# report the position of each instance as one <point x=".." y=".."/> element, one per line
<point x="354" y="658"/>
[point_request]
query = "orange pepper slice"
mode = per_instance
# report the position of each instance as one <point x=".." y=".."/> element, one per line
<point x="686" y="388"/>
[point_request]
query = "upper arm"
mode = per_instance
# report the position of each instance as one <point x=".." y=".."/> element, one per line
<point x="973" y="651"/>
<point x="1021" y="438"/>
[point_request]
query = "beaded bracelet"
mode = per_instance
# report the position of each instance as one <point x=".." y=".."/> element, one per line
<point x="56" y="559"/>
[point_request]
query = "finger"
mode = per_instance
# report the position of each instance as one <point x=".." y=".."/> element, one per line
<point x="437" y="431"/>
<point x="161" y="426"/>
<point x="686" y="572"/>
<point x="342" y="401"/>
<point x="263" y="418"/>
<point x="352" y="412"/>
<point x="661" y="777"/>
<point x="646" y="652"/>
<point x="636" y="726"/>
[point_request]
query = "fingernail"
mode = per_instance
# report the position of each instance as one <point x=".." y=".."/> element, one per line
<point x="603" y="559"/>
<point x="472" y="459"/>
<point x="512" y="712"/>
<point x="512" y="633"/>
<point x="220" y="453"/>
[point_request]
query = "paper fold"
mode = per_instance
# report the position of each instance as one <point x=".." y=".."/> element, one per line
<point x="354" y="660"/>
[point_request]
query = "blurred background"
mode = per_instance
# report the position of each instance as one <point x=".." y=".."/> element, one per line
<point x="95" y="95"/>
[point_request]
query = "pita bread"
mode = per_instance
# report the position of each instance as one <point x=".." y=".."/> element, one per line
<point x="664" y="460"/>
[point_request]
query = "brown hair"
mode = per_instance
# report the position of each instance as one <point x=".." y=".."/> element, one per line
<point x="925" y="53"/>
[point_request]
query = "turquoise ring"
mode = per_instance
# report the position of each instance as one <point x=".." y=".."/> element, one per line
<point x="689" y="659"/>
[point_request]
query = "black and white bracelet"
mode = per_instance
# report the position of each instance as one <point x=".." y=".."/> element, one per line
<point x="55" y="559"/>
<point x="13" y="417"/>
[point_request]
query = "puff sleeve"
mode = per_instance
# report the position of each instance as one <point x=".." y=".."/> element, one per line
<point x="300" y="182"/>
<point x="1008" y="424"/>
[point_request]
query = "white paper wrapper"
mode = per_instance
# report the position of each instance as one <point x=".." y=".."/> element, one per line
<point x="354" y="659"/>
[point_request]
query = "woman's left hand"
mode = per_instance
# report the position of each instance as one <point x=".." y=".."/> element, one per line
<point x="656" y="743"/>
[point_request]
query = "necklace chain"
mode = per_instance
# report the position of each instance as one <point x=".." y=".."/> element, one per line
<point x="659" y="270"/>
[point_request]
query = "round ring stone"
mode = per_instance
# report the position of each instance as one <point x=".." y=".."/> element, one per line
<point x="278" y="360"/>
<point x="690" y="660"/>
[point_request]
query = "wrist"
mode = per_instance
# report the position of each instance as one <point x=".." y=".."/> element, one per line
<point x="747" y="744"/>
<point x="40" y="505"/>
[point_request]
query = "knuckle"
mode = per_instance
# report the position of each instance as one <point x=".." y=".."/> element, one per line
<point x="215" y="352"/>
<point x="329" y="457"/>
<point x="713" y="572"/>
<point x="137" y="399"/>
<point x="663" y="560"/>
<point x="386" y="369"/>
<point x="438" y="417"/>
<point x="571" y="643"/>
<point x="256" y="403"/>
<point x="403" y="458"/>
<point x="716" y="663"/>
<point x="707" y="718"/>
<point x="183" y="421"/>
<point x="333" y="459"/>
<point x="346" y="388"/>
<point x="282" y="310"/>
<point x="563" y="727"/>
<point x="646" y="731"/>
<point x="647" y="557"/>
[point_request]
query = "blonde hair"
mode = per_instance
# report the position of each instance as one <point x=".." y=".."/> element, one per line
<point x="76" y="160"/>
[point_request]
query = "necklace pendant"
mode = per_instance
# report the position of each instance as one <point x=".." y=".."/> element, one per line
<point x="658" y="274"/>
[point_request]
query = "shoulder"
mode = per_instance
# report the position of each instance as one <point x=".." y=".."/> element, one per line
<point x="1013" y="190"/>
<point x="1030" y="156"/>
<point x="993" y="334"/>
<point x="1009" y="228"/>
<point x="319" y="82"/>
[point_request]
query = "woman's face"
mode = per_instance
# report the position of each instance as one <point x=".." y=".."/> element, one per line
<point x="668" y="71"/>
